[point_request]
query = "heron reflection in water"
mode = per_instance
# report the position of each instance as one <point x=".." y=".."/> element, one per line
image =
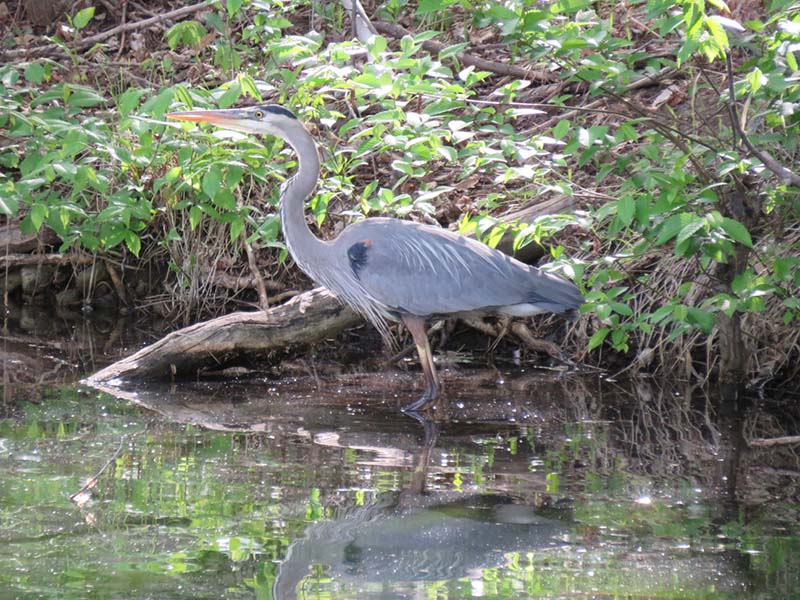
<point x="406" y="537"/>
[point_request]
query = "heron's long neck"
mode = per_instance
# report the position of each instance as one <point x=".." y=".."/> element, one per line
<point x="306" y="249"/>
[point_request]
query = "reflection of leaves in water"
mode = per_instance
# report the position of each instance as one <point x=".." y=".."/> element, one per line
<point x="185" y="508"/>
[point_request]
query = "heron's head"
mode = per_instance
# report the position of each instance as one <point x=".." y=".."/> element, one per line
<point x="267" y="119"/>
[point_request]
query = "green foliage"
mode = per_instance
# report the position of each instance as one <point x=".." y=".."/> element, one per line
<point x="66" y="168"/>
<point x="413" y="134"/>
<point x="677" y="197"/>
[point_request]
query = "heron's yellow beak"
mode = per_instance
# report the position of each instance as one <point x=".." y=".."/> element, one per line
<point x="235" y="119"/>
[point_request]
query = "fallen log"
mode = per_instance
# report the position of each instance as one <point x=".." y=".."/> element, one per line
<point x="213" y="344"/>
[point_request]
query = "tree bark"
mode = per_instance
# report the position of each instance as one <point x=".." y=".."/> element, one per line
<point x="733" y="356"/>
<point x="214" y="344"/>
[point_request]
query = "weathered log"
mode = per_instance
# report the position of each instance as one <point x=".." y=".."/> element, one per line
<point x="13" y="241"/>
<point x="213" y="344"/>
<point x="10" y="261"/>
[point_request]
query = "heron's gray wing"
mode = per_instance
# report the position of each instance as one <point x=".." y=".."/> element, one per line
<point x="426" y="270"/>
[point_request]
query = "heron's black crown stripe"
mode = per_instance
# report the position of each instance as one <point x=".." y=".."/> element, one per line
<point x="357" y="253"/>
<point x="278" y="110"/>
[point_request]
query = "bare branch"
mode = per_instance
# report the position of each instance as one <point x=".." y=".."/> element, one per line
<point x="764" y="156"/>
<point x="396" y="31"/>
<point x="94" y="39"/>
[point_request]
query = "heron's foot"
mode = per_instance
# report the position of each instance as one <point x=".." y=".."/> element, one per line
<point x="424" y="403"/>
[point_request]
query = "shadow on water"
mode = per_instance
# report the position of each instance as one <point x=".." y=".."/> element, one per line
<point x="526" y="485"/>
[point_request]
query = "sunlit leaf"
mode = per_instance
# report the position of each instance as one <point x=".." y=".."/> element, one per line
<point x="82" y="18"/>
<point x="625" y="209"/>
<point x="598" y="337"/>
<point x="737" y="231"/>
<point x="8" y="206"/>
<point x="211" y="182"/>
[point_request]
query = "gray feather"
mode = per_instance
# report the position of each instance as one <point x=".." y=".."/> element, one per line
<point x="422" y="270"/>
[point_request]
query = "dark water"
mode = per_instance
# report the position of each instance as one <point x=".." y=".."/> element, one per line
<point x="536" y="486"/>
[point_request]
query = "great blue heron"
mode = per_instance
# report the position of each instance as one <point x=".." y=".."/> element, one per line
<point x="390" y="269"/>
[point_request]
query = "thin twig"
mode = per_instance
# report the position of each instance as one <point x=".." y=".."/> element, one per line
<point x="123" y="19"/>
<point x="764" y="156"/>
<point x="263" y="298"/>
<point x="396" y="31"/>
<point x="103" y="35"/>
<point x="787" y="440"/>
<point x="92" y="481"/>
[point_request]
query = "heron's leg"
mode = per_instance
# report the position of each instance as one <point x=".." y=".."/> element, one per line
<point x="416" y="325"/>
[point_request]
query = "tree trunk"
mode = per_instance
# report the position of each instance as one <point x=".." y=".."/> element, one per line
<point x="733" y="357"/>
<point x="45" y="12"/>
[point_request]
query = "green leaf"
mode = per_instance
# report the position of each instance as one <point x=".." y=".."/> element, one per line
<point x="249" y="87"/>
<point x="661" y="314"/>
<point x="233" y="176"/>
<point x="80" y="96"/>
<point x="756" y="79"/>
<point x="211" y="181"/>
<point x="680" y="312"/>
<point x="377" y="45"/>
<point x="561" y="129"/>
<point x="619" y="340"/>
<point x="718" y="33"/>
<point x="690" y="229"/>
<point x="430" y="6"/>
<point x="187" y="33"/>
<point x="237" y="227"/>
<point x="233" y="6"/>
<point x="133" y="242"/>
<point x="598" y="337"/>
<point x="129" y="101"/>
<point x="622" y="309"/>
<point x="231" y="95"/>
<point x="704" y="320"/>
<point x="34" y="73"/>
<point x="179" y="93"/>
<point x="195" y="216"/>
<point x="448" y="153"/>
<point x="83" y="17"/>
<point x="8" y="206"/>
<point x="569" y="6"/>
<point x="672" y="227"/>
<point x="791" y="61"/>
<point x="643" y="210"/>
<point x="626" y="206"/>
<point x="737" y="231"/>
<point x="225" y="199"/>
<point x="38" y="214"/>
<point x="742" y="283"/>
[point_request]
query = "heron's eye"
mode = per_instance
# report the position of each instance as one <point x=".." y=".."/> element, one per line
<point x="259" y="114"/>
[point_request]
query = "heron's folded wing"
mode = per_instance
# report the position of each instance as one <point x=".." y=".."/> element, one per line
<point x="424" y="270"/>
